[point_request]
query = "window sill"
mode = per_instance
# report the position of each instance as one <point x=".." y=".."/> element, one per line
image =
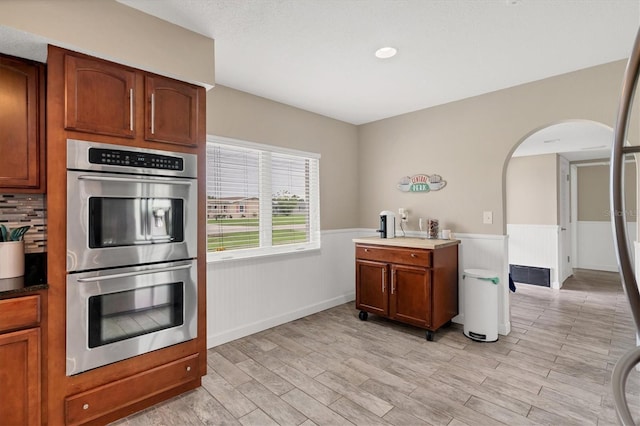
<point x="232" y="255"/>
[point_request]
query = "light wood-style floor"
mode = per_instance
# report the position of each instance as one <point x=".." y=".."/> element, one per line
<point x="331" y="368"/>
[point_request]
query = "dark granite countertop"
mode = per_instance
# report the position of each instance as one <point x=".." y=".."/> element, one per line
<point x="34" y="278"/>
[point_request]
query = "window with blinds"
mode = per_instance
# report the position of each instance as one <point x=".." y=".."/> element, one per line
<point x="260" y="199"/>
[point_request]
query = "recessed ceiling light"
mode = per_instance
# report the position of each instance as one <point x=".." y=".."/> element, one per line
<point x="386" y="52"/>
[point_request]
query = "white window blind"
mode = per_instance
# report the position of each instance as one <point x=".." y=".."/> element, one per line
<point x="233" y="197"/>
<point x="261" y="200"/>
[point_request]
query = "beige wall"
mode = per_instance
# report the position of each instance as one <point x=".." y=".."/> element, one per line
<point x="532" y="190"/>
<point x="593" y="192"/>
<point x="108" y="29"/>
<point x="470" y="142"/>
<point x="239" y="115"/>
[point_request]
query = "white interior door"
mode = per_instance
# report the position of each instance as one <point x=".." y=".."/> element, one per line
<point x="564" y="239"/>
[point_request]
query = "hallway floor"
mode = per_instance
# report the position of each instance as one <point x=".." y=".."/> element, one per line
<point x="331" y="368"/>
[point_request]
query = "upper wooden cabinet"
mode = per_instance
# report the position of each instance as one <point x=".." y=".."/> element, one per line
<point x="172" y="113"/>
<point x="21" y="125"/>
<point x="106" y="98"/>
<point x="99" y="97"/>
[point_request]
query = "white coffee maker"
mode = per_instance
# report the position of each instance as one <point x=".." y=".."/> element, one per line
<point x="387" y="224"/>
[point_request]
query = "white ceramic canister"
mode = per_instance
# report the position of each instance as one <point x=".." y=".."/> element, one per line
<point x="11" y="259"/>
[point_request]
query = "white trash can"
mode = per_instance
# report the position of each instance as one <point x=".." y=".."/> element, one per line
<point x="480" y="305"/>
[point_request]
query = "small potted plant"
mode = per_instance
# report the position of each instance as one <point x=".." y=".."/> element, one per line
<point x="12" y="251"/>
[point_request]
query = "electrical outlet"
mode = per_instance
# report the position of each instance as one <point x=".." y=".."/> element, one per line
<point x="487" y="218"/>
<point x="404" y="215"/>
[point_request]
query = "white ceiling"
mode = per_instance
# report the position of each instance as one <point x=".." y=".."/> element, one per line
<point x="318" y="55"/>
<point x="574" y="140"/>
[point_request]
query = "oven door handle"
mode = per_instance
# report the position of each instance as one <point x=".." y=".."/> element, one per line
<point x="132" y="274"/>
<point x="132" y="180"/>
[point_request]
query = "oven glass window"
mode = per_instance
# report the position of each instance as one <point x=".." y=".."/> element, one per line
<point x="118" y="222"/>
<point x="119" y="316"/>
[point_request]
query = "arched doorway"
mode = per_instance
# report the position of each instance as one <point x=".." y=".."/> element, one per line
<point x="556" y="201"/>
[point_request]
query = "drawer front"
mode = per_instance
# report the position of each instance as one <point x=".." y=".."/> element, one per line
<point x="95" y="403"/>
<point x="20" y="312"/>
<point x="404" y="256"/>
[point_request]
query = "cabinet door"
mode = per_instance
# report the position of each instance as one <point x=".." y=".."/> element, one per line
<point x="172" y="111"/>
<point x="99" y="97"/>
<point x="20" y="377"/>
<point x="20" y="125"/>
<point x="372" y="287"/>
<point x="410" y="298"/>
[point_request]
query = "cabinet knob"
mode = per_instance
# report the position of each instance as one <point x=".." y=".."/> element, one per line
<point x="414" y="255"/>
<point x="85" y="407"/>
<point x="188" y="368"/>
<point x="366" y="250"/>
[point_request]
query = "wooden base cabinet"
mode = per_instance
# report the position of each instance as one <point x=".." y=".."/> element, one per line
<point x="371" y="287"/>
<point x="101" y="402"/>
<point x="410" y="298"/>
<point x="409" y="285"/>
<point x="20" y="361"/>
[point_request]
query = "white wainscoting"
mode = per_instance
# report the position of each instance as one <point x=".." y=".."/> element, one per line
<point x="251" y="295"/>
<point x="483" y="251"/>
<point x="535" y="245"/>
<point x="595" y="245"/>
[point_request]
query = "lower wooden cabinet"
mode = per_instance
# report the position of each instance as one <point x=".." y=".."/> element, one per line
<point x="20" y="362"/>
<point x="410" y="300"/>
<point x="371" y="287"/>
<point x="413" y="286"/>
<point x="99" y="402"/>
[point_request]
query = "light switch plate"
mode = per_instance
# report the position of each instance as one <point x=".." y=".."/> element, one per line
<point x="487" y="218"/>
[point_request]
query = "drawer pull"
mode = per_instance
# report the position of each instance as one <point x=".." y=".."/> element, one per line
<point x="366" y="250"/>
<point x="188" y="368"/>
<point x="85" y="407"/>
<point x="414" y="255"/>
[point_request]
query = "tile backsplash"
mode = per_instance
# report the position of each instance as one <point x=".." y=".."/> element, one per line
<point x="26" y="209"/>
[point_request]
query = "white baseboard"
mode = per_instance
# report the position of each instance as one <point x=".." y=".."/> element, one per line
<point x="252" y="295"/>
<point x="257" y="326"/>
<point x="599" y="267"/>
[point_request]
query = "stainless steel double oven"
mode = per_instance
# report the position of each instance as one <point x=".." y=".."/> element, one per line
<point x="131" y="252"/>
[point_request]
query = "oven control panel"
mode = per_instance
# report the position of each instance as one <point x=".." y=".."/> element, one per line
<point x="119" y="157"/>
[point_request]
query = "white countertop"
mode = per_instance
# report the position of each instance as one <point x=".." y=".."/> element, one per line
<point x="409" y="242"/>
